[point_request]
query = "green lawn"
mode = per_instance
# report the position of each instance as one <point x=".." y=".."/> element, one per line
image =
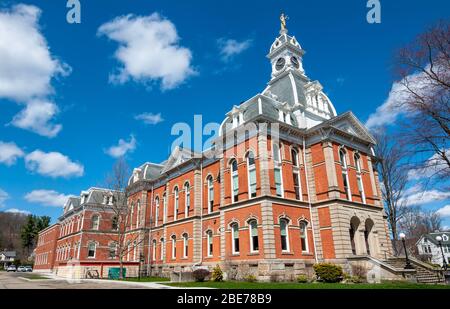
<point x="147" y="279"/>
<point x="292" y="285"/>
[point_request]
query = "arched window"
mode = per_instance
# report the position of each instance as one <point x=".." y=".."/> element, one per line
<point x="176" y="200"/>
<point x="234" y="181"/>
<point x="131" y="215"/>
<point x="112" y="250"/>
<point x="284" y="234"/>
<point x="187" y="199"/>
<point x="277" y="169"/>
<point x="174" y="247"/>
<point x="164" y="207"/>
<point x="138" y="216"/>
<point x="185" y="245"/>
<point x="156" y="210"/>
<point x="210" y="183"/>
<point x="253" y="232"/>
<point x="296" y="174"/>
<point x="154" y="250"/>
<point x="114" y="223"/>
<point x="359" y="177"/>
<point x="251" y="170"/>
<point x="162" y="249"/>
<point x="304" y="236"/>
<point x="91" y="250"/>
<point x="235" y="238"/>
<point x="343" y="160"/>
<point x="209" y="239"/>
<point x="95" y="222"/>
<point x="135" y="248"/>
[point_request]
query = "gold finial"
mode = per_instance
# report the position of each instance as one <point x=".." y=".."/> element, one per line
<point x="283" y="19"/>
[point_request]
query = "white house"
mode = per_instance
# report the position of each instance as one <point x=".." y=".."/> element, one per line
<point x="7" y="257"/>
<point x="427" y="245"/>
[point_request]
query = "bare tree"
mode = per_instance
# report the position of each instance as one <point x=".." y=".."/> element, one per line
<point x="394" y="178"/>
<point x="416" y="222"/>
<point x="424" y="70"/>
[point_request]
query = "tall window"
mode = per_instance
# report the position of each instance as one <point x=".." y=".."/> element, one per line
<point x="176" y="200"/>
<point x="210" y="183"/>
<point x="234" y="181"/>
<point x="253" y="227"/>
<point x="112" y="250"/>
<point x="251" y="170"/>
<point x="187" y="199"/>
<point x="174" y="247"/>
<point x="162" y="249"/>
<point x="95" y="222"/>
<point x="304" y="236"/>
<point x="156" y="210"/>
<point x="185" y="245"/>
<point x="164" y="207"/>
<point x="284" y="234"/>
<point x="359" y="177"/>
<point x="296" y="174"/>
<point x="277" y="169"/>
<point x="131" y="215"/>
<point x="135" y="251"/>
<point x="138" y="216"/>
<point x="235" y="238"/>
<point x="343" y="160"/>
<point x="209" y="239"/>
<point x="114" y="223"/>
<point x="154" y="250"/>
<point x="91" y="250"/>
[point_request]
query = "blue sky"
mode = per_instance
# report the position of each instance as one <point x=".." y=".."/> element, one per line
<point x="89" y="99"/>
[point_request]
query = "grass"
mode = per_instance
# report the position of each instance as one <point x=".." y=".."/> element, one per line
<point x="293" y="285"/>
<point x="147" y="279"/>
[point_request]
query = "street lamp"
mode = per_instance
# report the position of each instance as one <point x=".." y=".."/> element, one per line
<point x="408" y="264"/>
<point x="444" y="262"/>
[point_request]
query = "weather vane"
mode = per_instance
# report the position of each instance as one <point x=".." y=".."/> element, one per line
<point x="283" y="19"/>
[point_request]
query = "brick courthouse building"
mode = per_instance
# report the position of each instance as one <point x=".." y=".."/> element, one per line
<point x="287" y="183"/>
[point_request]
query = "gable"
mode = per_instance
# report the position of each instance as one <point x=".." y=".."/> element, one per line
<point x="348" y="123"/>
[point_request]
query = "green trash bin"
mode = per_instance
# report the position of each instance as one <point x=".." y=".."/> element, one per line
<point x="113" y="273"/>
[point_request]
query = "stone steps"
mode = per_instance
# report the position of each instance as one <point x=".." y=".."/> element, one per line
<point x="423" y="275"/>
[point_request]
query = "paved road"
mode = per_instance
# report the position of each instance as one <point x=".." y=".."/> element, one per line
<point x="13" y="281"/>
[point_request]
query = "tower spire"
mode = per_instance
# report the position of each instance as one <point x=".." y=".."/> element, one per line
<point x="283" y="19"/>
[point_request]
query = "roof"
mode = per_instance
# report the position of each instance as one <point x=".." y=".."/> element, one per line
<point x="8" y="253"/>
<point x="432" y="237"/>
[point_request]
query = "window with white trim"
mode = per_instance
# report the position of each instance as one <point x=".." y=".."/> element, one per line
<point x="138" y="217"/>
<point x="284" y="235"/>
<point x="91" y="250"/>
<point x="234" y="181"/>
<point x="296" y="174"/>
<point x="253" y="232"/>
<point x="156" y="210"/>
<point x="174" y="247"/>
<point x="185" y="245"/>
<point x="343" y="160"/>
<point x="210" y="183"/>
<point x="154" y="250"/>
<point x="277" y="169"/>
<point x="235" y="238"/>
<point x="176" y="200"/>
<point x="209" y="240"/>
<point x="304" y="236"/>
<point x="164" y="207"/>
<point x="187" y="199"/>
<point x="251" y="170"/>
<point x="95" y="222"/>
<point x="112" y="250"/>
<point x="359" y="177"/>
<point x="162" y="249"/>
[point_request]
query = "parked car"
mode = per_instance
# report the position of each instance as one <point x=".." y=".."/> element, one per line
<point x="11" y="268"/>
<point x="29" y="269"/>
<point x="21" y="269"/>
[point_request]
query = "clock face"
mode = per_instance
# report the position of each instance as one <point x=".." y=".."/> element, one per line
<point x="295" y="62"/>
<point x="280" y="64"/>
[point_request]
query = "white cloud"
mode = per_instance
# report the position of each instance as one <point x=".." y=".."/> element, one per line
<point x="3" y="197"/>
<point x="53" y="164"/>
<point x="18" y="211"/>
<point x="37" y="116"/>
<point x="434" y="166"/>
<point x="122" y="148"/>
<point x="150" y="118"/>
<point x="148" y="50"/>
<point x="415" y="195"/>
<point x="47" y="198"/>
<point x="444" y="211"/>
<point x="27" y="69"/>
<point x="230" y="47"/>
<point x="9" y="153"/>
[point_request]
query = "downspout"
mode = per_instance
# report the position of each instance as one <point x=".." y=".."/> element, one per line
<point x="309" y="200"/>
